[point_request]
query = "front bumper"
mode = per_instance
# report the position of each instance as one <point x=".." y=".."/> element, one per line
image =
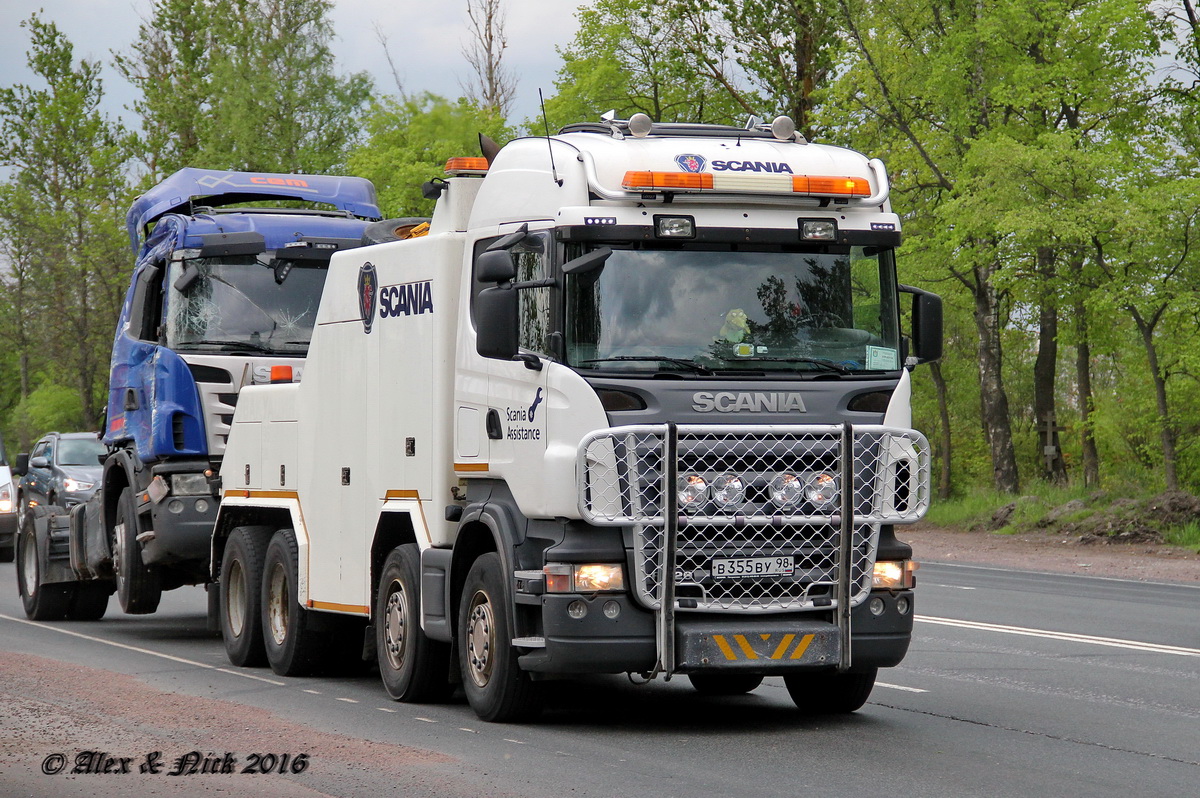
<point x="710" y="642"/>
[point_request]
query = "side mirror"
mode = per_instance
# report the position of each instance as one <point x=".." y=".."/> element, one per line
<point x="495" y="266"/>
<point x="927" y="324"/>
<point x="589" y="262"/>
<point x="39" y="462"/>
<point x="496" y="322"/>
<point x="21" y="466"/>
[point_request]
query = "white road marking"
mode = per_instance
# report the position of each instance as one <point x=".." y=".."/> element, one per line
<point x="1065" y="636"/>
<point x="348" y="700"/>
<point x="158" y="654"/>
<point x="313" y="692"/>
<point x="900" y="687"/>
<point x="426" y="720"/>
<point x="510" y="740"/>
<point x="951" y="587"/>
<point x="385" y="709"/>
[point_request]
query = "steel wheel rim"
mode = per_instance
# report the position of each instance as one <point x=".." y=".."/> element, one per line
<point x="277" y="605"/>
<point x="480" y="639"/>
<point x="29" y="563"/>
<point x="118" y="550"/>
<point x="235" y="604"/>
<point x="395" y="618"/>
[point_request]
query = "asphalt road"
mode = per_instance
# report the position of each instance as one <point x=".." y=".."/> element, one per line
<point x="1017" y="684"/>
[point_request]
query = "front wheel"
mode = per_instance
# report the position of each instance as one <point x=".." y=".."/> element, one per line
<point x="830" y="693"/>
<point x="41" y="602"/>
<point x="293" y="647"/>
<point x="496" y="687"/>
<point x="138" y="587"/>
<point x="413" y="667"/>
<point x="241" y="595"/>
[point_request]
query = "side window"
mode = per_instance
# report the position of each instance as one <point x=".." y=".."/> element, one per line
<point x="41" y="450"/>
<point x="532" y="258"/>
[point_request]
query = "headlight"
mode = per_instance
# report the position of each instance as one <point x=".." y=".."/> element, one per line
<point x="587" y="578"/>
<point x="822" y="490"/>
<point x="787" y="490"/>
<point x="73" y="485"/>
<point x="728" y="490"/>
<point x="692" y="490"/>
<point x="190" y="485"/>
<point x="894" y="575"/>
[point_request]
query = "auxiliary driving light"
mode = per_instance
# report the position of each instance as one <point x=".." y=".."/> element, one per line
<point x="729" y="490"/>
<point x="818" y="230"/>
<point x="693" y="490"/>
<point x="822" y="490"/>
<point x="674" y="227"/>
<point x="787" y="490"/>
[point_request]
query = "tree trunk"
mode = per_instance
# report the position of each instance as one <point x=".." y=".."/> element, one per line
<point x="939" y="383"/>
<point x="992" y="397"/>
<point x="1045" y="372"/>
<point x="1166" y="425"/>
<point x="1083" y="376"/>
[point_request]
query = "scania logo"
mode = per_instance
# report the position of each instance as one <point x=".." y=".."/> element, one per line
<point x="691" y="163"/>
<point x="368" y="283"/>
<point x="745" y="402"/>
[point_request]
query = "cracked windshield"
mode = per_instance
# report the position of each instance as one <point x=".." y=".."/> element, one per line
<point x="235" y="303"/>
<point x="698" y="310"/>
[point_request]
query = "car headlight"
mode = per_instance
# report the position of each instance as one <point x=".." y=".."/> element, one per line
<point x="190" y="485"/>
<point x="74" y="485"/>
<point x="585" y="578"/>
<point x="894" y="575"/>
<point x="692" y="491"/>
<point x="822" y="490"/>
<point x="729" y="490"/>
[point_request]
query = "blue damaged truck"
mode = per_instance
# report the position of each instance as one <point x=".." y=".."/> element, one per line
<point x="228" y="275"/>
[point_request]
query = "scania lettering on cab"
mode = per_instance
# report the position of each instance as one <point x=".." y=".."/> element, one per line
<point x="227" y="279"/>
<point x="638" y="402"/>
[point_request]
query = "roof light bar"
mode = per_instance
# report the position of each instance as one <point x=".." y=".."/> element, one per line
<point x="810" y="185"/>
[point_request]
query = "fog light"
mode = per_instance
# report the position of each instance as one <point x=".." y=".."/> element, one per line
<point x="876" y="606"/>
<point x="577" y="609"/>
<point x="693" y="490"/>
<point x="175" y="506"/>
<point x="902" y="605"/>
<point x="674" y="227"/>
<point x="611" y="609"/>
<point x="202" y="505"/>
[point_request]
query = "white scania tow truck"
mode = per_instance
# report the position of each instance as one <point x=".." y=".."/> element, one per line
<point x="636" y="400"/>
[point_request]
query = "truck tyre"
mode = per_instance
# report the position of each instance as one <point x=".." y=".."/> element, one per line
<point x="240" y="590"/>
<point x="830" y="693"/>
<point x="138" y="587"/>
<point x="413" y="667"/>
<point x="41" y="602"/>
<point x="293" y="648"/>
<point x="90" y="601"/>
<point x="496" y="687"/>
<point x="724" y="683"/>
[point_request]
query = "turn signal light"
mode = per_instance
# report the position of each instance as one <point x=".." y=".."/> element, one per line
<point x="466" y="166"/>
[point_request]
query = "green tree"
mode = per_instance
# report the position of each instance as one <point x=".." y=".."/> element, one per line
<point x="409" y="140"/>
<point x="242" y="84"/>
<point x="61" y="215"/>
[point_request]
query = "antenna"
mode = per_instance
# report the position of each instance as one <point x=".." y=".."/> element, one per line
<point x="546" y="123"/>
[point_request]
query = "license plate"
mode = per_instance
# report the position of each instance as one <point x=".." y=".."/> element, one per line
<point x="753" y="566"/>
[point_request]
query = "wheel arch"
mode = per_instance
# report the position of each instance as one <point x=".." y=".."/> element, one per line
<point x="484" y="528"/>
<point x="394" y="528"/>
<point x="229" y="519"/>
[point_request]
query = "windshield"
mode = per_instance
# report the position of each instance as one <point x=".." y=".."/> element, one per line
<point x="735" y="310"/>
<point x="235" y="303"/>
<point x="79" y="451"/>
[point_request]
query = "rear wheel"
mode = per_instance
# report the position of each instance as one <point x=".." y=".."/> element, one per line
<point x="138" y="587"/>
<point x="241" y="595"/>
<point x="496" y="687"/>
<point x="830" y="693"/>
<point x="724" y="683"/>
<point x="413" y="667"/>
<point x="41" y="602"/>
<point x="293" y="647"/>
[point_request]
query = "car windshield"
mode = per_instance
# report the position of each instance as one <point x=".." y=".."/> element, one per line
<point x="724" y="310"/>
<point x="79" y="451"/>
<point x="236" y="303"/>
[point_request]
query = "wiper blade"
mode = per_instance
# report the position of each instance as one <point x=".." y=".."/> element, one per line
<point x="678" y="361"/>
<point x="232" y="345"/>
<point x="825" y="364"/>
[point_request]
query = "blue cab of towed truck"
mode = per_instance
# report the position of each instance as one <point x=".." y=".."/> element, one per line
<point x="219" y="295"/>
